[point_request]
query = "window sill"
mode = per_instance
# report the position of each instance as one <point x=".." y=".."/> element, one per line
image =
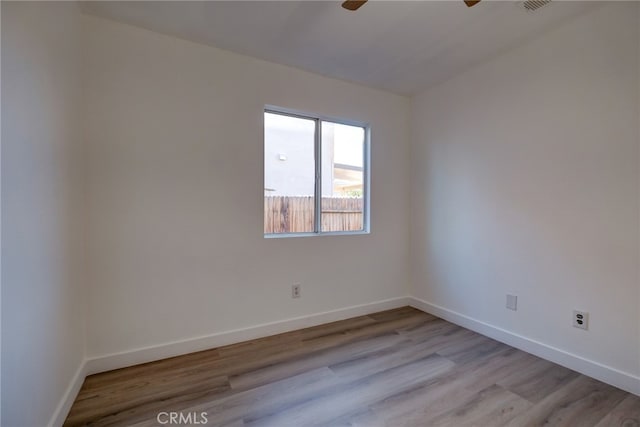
<point x="327" y="233"/>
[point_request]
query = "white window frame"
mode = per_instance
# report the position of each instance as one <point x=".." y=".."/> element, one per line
<point x="366" y="171"/>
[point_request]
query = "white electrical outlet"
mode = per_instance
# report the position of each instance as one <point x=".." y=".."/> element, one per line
<point x="512" y="302"/>
<point x="581" y="319"/>
<point x="295" y="291"/>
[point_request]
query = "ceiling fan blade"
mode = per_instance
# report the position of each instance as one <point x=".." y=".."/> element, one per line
<point x="353" y="4"/>
<point x="470" y="3"/>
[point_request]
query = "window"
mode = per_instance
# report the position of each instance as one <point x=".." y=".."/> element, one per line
<point x="315" y="175"/>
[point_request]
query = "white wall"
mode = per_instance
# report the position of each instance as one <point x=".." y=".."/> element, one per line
<point x="42" y="293"/>
<point x="175" y="140"/>
<point x="525" y="180"/>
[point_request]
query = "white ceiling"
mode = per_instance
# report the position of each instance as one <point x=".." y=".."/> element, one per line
<point x="403" y="47"/>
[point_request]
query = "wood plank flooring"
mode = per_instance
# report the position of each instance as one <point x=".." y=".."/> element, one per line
<point x="400" y="367"/>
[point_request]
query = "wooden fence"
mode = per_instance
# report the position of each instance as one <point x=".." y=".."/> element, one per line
<point x="283" y="214"/>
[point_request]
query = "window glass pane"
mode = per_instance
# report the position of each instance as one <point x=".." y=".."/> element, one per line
<point x="342" y="177"/>
<point x="289" y="174"/>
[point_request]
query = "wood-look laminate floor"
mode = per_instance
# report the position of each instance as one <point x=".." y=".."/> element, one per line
<point x="400" y="367"/>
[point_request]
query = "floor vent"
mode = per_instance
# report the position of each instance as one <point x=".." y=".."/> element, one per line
<point x="531" y="5"/>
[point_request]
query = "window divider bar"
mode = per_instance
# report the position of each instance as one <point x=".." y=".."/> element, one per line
<point x="317" y="217"/>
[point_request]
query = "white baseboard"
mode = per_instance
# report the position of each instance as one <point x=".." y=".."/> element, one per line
<point x="163" y="351"/>
<point x="61" y="412"/>
<point x="604" y="373"/>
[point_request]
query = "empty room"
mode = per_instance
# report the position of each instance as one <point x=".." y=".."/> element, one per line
<point x="320" y="213"/>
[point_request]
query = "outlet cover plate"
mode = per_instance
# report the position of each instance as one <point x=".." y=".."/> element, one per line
<point x="512" y="302"/>
<point x="295" y="291"/>
<point x="581" y="319"/>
